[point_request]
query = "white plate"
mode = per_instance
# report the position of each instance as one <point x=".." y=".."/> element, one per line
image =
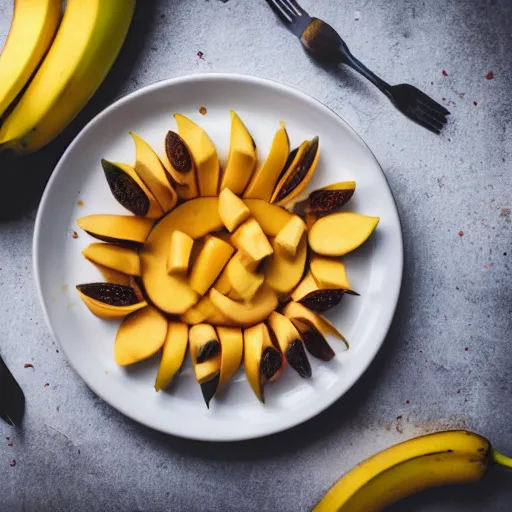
<point x="375" y="270"/>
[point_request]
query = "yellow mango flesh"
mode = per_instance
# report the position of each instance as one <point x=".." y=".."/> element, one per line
<point x="140" y="336"/>
<point x="242" y="157"/>
<point x="270" y="217"/>
<point x="102" y="310"/>
<point x="290" y="236"/>
<point x="195" y="218"/>
<point x="214" y="255"/>
<point x="329" y="273"/>
<point x="247" y="313"/>
<point x="305" y="287"/>
<point x="198" y="336"/>
<point x="284" y="330"/>
<point x="232" y="210"/>
<point x="204" y="154"/>
<point x="115" y="257"/>
<point x="256" y="339"/>
<point x="244" y="282"/>
<point x="173" y="354"/>
<point x="179" y="253"/>
<point x="232" y="347"/>
<point x="151" y="171"/>
<point x="282" y="272"/>
<point x="264" y="180"/>
<point x="341" y="233"/>
<point x="117" y="227"/>
<point x="250" y="239"/>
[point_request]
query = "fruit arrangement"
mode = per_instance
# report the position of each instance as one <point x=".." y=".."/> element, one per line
<point x="443" y="458"/>
<point x="50" y="68"/>
<point x="234" y="276"/>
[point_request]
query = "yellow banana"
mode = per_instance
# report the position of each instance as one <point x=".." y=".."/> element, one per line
<point x="33" y="26"/>
<point x="443" y="458"/>
<point x="85" y="47"/>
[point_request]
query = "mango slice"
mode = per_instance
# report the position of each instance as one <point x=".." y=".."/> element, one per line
<point x="341" y="233"/>
<point x="241" y="159"/>
<point x="314" y="340"/>
<point x="211" y="260"/>
<point x="119" y="229"/>
<point x="290" y="343"/>
<point x="270" y="217"/>
<point x="114" y="276"/>
<point x="244" y="282"/>
<point x="232" y="210"/>
<point x="173" y="354"/>
<point x="264" y="180"/>
<point x="294" y="310"/>
<point x="262" y="361"/>
<point x="204" y="155"/>
<point x="282" y="272"/>
<point x="115" y="257"/>
<point x="151" y="171"/>
<point x="196" y="218"/>
<point x="178" y="162"/>
<point x="247" y="313"/>
<point x="232" y="347"/>
<point x="298" y="174"/>
<point x="130" y="191"/>
<point x="290" y="236"/>
<point x="309" y="294"/>
<point x="140" y="336"/>
<point x="250" y="239"/>
<point x="205" y="311"/>
<point x="108" y="300"/>
<point x="329" y="273"/>
<point x="179" y="253"/>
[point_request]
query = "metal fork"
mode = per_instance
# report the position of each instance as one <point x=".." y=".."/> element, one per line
<point x="325" y="44"/>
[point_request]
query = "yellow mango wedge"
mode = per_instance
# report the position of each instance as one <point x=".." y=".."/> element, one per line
<point x="213" y="257"/>
<point x="283" y="272"/>
<point x="241" y="159"/>
<point x="232" y="347"/>
<point x="244" y="282"/>
<point x="173" y="354"/>
<point x="290" y="236"/>
<point x="232" y="210"/>
<point x="204" y="154"/>
<point x="117" y="228"/>
<point x="341" y="233"/>
<point x="179" y="253"/>
<point x="247" y="313"/>
<point x="140" y="336"/>
<point x="270" y="217"/>
<point x="250" y="239"/>
<point x="263" y="181"/>
<point x="151" y="171"/>
<point x="196" y="218"/>
<point x="115" y="257"/>
<point x="329" y="273"/>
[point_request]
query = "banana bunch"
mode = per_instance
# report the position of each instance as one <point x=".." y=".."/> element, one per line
<point x="443" y="458"/>
<point x="49" y="71"/>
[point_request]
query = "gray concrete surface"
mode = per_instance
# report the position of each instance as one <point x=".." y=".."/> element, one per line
<point x="447" y="360"/>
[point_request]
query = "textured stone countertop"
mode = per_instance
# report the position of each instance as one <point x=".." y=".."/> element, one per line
<point x="447" y="360"/>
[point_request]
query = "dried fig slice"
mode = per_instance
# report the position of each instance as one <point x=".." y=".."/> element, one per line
<point x="313" y="339"/>
<point x="109" y="293"/>
<point x="330" y="199"/>
<point x="178" y="154"/>
<point x="271" y="362"/>
<point x="209" y="388"/>
<point x="297" y="358"/>
<point x="207" y="351"/>
<point x="299" y="173"/>
<point x="322" y="300"/>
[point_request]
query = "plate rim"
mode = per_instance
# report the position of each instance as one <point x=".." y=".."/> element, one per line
<point x="169" y="82"/>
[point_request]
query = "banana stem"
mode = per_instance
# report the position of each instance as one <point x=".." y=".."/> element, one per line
<point x="502" y="460"/>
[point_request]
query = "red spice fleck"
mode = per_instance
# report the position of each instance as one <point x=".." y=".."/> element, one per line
<point x="443" y="99"/>
<point x="46" y="385"/>
<point x="466" y="349"/>
<point x="488" y="265"/>
<point x="445" y="73"/>
<point x="12" y="463"/>
<point x="75" y="235"/>
<point x="200" y="55"/>
<point x="475" y="103"/>
<point x="458" y="391"/>
<point x="461" y="233"/>
<point x="431" y="83"/>
<point x="80" y="203"/>
<point x="28" y="365"/>
<point x="489" y="75"/>
<point x="505" y="212"/>
<point x="203" y="111"/>
<point x="407" y="402"/>
<point x="10" y="443"/>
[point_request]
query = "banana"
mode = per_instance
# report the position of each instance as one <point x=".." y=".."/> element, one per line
<point x="85" y="47"/>
<point x="442" y="458"/>
<point x="34" y="24"/>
